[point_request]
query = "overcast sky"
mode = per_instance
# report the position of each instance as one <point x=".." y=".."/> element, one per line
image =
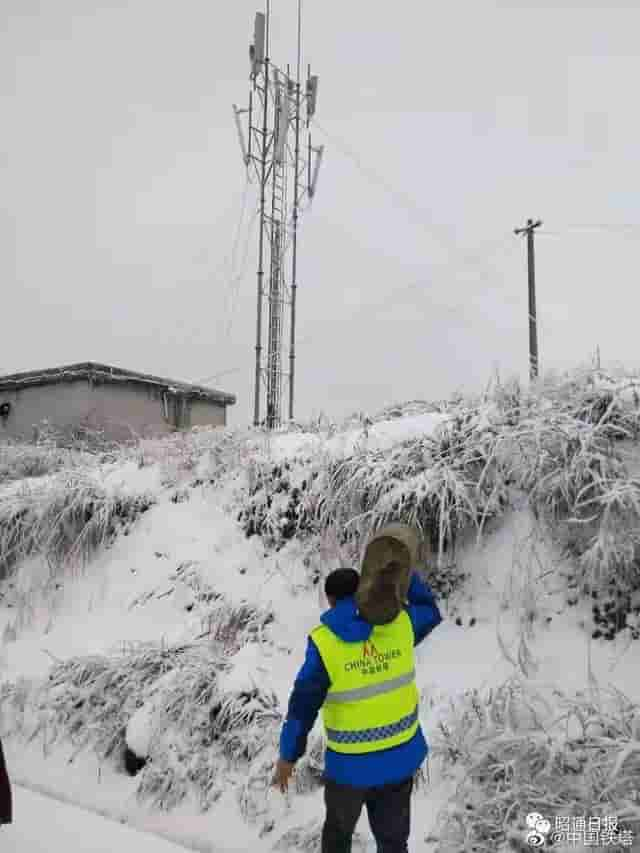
<point x="122" y="184"/>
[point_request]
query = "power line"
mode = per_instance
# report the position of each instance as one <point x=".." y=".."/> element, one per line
<point x="235" y="282"/>
<point x="612" y="226"/>
<point x="375" y="307"/>
<point x="217" y="375"/>
<point x="586" y="230"/>
<point x="358" y="310"/>
<point x="441" y="232"/>
<point x="231" y="261"/>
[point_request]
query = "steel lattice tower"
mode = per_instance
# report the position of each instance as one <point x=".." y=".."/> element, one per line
<point x="279" y="114"/>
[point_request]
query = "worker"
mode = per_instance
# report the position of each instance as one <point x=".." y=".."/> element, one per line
<point x="360" y="669"/>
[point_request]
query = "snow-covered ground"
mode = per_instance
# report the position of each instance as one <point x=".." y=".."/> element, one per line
<point x="138" y="591"/>
<point x="46" y="825"/>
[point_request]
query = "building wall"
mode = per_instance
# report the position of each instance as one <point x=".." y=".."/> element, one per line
<point x="123" y="411"/>
<point x="63" y="404"/>
<point x="204" y="413"/>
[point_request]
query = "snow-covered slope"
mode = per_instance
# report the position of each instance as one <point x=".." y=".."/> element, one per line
<point x="187" y="580"/>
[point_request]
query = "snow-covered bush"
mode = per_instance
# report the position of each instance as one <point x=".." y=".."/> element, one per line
<point x="309" y="769"/>
<point x="570" y="465"/>
<point x="90" y="700"/>
<point x="579" y="487"/>
<point x="513" y="757"/>
<point x="307" y="839"/>
<point x="610" y="399"/>
<point x="278" y="507"/>
<point x="20" y="461"/>
<point x="202" y="455"/>
<point x="233" y="625"/>
<point x="166" y="703"/>
<point x="403" y="410"/>
<point x="204" y="732"/>
<point x="66" y="519"/>
<point x="441" y="484"/>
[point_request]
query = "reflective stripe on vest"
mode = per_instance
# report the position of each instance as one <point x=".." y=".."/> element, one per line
<point x="370" y="735"/>
<point x="373" y="690"/>
<point x="372" y="702"/>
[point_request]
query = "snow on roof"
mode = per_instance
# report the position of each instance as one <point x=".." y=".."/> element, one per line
<point x="106" y="373"/>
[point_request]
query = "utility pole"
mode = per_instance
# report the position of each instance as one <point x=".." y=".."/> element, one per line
<point x="281" y="163"/>
<point x="534" y="364"/>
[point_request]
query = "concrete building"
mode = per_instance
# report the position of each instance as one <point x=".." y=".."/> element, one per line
<point x="123" y="404"/>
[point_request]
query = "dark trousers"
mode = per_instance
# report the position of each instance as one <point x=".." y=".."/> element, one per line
<point x="388" y="809"/>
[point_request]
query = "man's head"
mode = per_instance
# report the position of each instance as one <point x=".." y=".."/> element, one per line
<point x="341" y="583"/>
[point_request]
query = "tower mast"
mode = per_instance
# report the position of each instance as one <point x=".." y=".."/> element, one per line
<point x="281" y="164"/>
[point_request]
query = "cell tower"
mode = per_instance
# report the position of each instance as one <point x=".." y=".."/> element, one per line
<point x="286" y="165"/>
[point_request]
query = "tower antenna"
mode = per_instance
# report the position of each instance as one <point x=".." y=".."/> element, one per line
<point x="275" y="151"/>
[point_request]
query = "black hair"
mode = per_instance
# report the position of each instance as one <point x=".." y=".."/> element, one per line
<point x="341" y="583"/>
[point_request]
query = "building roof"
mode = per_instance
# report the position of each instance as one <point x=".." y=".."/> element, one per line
<point x="105" y="373"/>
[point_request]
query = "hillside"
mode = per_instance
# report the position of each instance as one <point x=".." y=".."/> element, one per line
<point x="156" y="600"/>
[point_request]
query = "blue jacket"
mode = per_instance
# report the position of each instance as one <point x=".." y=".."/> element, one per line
<point x="312" y="684"/>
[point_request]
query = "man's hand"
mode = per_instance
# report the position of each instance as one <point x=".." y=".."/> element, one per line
<point x="284" y="770"/>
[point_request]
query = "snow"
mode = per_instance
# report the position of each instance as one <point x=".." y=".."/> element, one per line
<point x="380" y="436"/>
<point x="46" y="825"/>
<point x="247" y="671"/>
<point x="140" y="729"/>
<point x="134" y="593"/>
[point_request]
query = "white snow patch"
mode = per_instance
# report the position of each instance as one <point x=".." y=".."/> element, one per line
<point x="131" y="594"/>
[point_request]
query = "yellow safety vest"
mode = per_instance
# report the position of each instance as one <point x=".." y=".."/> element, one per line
<point x="372" y="702"/>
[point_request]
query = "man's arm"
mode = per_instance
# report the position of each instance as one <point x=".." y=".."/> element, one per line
<point x="309" y="692"/>
<point x="422" y="608"/>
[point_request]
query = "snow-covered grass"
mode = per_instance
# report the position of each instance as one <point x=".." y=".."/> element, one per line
<point x="205" y="453"/>
<point x="55" y="450"/>
<point x="441" y="482"/>
<point x="65" y="519"/>
<point x="21" y="461"/>
<point x="515" y="754"/>
<point x="181" y="640"/>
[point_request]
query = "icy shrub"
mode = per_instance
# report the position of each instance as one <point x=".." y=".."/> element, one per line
<point x="188" y="575"/>
<point x="597" y="398"/>
<point x="20" y="461"/>
<point x="202" y="455"/>
<point x="512" y="758"/>
<point x="90" y="700"/>
<point x="443" y="484"/>
<point x="228" y="453"/>
<point x="66" y="520"/>
<point x="278" y="508"/>
<point x="572" y="468"/>
<point x="579" y="488"/>
<point x="614" y="610"/>
<point x="404" y="410"/>
<point x="309" y="769"/>
<point x="508" y="399"/>
<point x="307" y="839"/>
<point x="82" y="437"/>
<point x="233" y="625"/>
<point x="177" y="454"/>
<point x="159" y="713"/>
<point x="203" y="732"/>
